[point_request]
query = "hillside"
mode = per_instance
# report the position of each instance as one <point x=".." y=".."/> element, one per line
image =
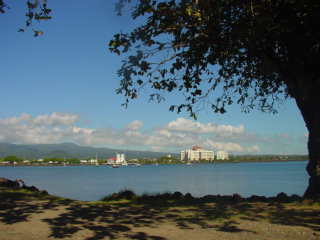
<point x="68" y="150"/>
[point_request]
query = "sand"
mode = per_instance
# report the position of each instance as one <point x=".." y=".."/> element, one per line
<point x="28" y="216"/>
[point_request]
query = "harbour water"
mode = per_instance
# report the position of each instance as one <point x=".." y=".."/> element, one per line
<point x="94" y="182"/>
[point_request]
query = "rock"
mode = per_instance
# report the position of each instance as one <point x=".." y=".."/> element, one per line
<point x="33" y="189"/>
<point x="19" y="184"/>
<point x="295" y="197"/>
<point x="177" y="195"/>
<point x="44" y="192"/>
<point x="236" y="197"/>
<point x="282" y="197"/>
<point x="188" y="197"/>
<point x="4" y="182"/>
<point x="208" y="198"/>
<point x="255" y="198"/>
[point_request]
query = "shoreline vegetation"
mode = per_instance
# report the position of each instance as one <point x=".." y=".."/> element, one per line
<point x="16" y="161"/>
<point x="28" y="213"/>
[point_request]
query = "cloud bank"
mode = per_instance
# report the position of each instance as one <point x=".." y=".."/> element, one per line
<point x="174" y="136"/>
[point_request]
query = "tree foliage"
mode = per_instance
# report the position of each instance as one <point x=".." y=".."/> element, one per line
<point x="37" y="10"/>
<point x="12" y="159"/>
<point x="221" y="51"/>
<point x="256" y="53"/>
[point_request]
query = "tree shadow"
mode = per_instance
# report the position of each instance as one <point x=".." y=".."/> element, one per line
<point x="17" y="205"/>
<point x="103" y="221"/>
<point x="120" y="219"/>
<point x="309" y="218"/>
<point x="117" y="218"/>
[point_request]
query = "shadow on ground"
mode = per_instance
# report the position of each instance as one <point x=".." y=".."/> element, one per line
<point x="117" y="217"/>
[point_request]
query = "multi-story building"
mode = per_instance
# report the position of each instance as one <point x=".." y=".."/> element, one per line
<point x="93" y="161"/>
<point x="222" y="155"/>
<point x="120" y="158"/>
<point x="196" y="153"/>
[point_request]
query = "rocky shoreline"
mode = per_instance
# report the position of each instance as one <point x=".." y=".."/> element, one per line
<point x="176" y="196"/>
<point x="26" y="213"/>
<point x="19" y="184"/>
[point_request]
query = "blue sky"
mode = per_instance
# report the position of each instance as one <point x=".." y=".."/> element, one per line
<point x="61" y="87"/>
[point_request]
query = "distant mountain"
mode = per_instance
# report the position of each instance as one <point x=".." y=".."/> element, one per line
<point x="68" y="150"/>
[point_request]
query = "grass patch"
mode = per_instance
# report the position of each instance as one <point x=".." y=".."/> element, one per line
<point x="19" y="194"/>
<point x="123" y="194"/>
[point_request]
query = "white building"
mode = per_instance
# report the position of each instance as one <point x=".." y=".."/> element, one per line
<point x="120" y="158"/>
<point x="222" y="155"/>
<point x="196" y="154"/>
<point x="93" y="161"/>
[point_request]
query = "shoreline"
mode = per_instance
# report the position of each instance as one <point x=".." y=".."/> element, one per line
<point x="30" y="215"/>
<point x="148" y="164"/>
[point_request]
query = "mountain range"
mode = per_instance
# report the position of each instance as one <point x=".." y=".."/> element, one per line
<point x="70" y="150"/>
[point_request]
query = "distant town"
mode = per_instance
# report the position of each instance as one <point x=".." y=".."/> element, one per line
<point x="194" y="155"/>
<point x="197" y="153"/>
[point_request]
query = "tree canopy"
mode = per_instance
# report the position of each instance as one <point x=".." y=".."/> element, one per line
<point x="246" y="49"/>
<point x="256" y="53"/>
<point x="36" y="10"/>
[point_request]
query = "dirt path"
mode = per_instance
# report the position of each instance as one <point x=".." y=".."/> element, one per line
<point x="26" y="218"/>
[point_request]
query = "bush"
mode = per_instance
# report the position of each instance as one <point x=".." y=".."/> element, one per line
<point x="123" y="194"/>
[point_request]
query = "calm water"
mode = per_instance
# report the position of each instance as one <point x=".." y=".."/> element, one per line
<point x="92" y="183"/>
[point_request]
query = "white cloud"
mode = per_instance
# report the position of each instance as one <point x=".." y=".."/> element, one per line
<point x="227" y="146"/>
<point x="135" y="125"/>
<point x="41" y="129"/>
<point x="15" y="120"/>
<point x="186" y="125"/>
<point x="176" y="135"/>
<point x="55" y="119"/>
<point x="78" y="130"/>
<point x="253" y="149"/>
<point x="157" y="149"/>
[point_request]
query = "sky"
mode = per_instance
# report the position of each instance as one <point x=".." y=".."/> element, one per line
<point x="60" y="87"/>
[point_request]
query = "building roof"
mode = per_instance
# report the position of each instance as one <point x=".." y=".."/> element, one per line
<point x="194" y="148"/>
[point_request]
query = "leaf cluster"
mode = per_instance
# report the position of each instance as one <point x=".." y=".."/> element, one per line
<point x="219" y="52"/>
<point x="37" y="10"/>
<point x="12" y="159"/>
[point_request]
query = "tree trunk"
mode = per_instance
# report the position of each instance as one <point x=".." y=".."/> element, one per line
<point x="308" y="99"/>
<point x="313" y="167"/>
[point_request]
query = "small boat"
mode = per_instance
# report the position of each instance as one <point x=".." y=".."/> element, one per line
<point x="189" y="163"/>
<point x="115" y="166"/>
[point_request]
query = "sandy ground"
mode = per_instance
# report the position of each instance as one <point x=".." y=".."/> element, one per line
<point x="27" y="218"/>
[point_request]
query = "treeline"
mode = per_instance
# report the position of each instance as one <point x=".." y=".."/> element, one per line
<point x="267" y="158"/>
<point x="232" y="158"/>
<point x="147" y="161"/>
<point x="161" y="160"/>
<point x="17" y="160"/>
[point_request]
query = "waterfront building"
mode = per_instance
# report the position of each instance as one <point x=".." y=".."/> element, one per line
<point x="120" y="158"/>
<point x="196" y="153"/>
<point x="93" y="161"/>
<point x="112" y="160"/>
<point x="222" y="155"/>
